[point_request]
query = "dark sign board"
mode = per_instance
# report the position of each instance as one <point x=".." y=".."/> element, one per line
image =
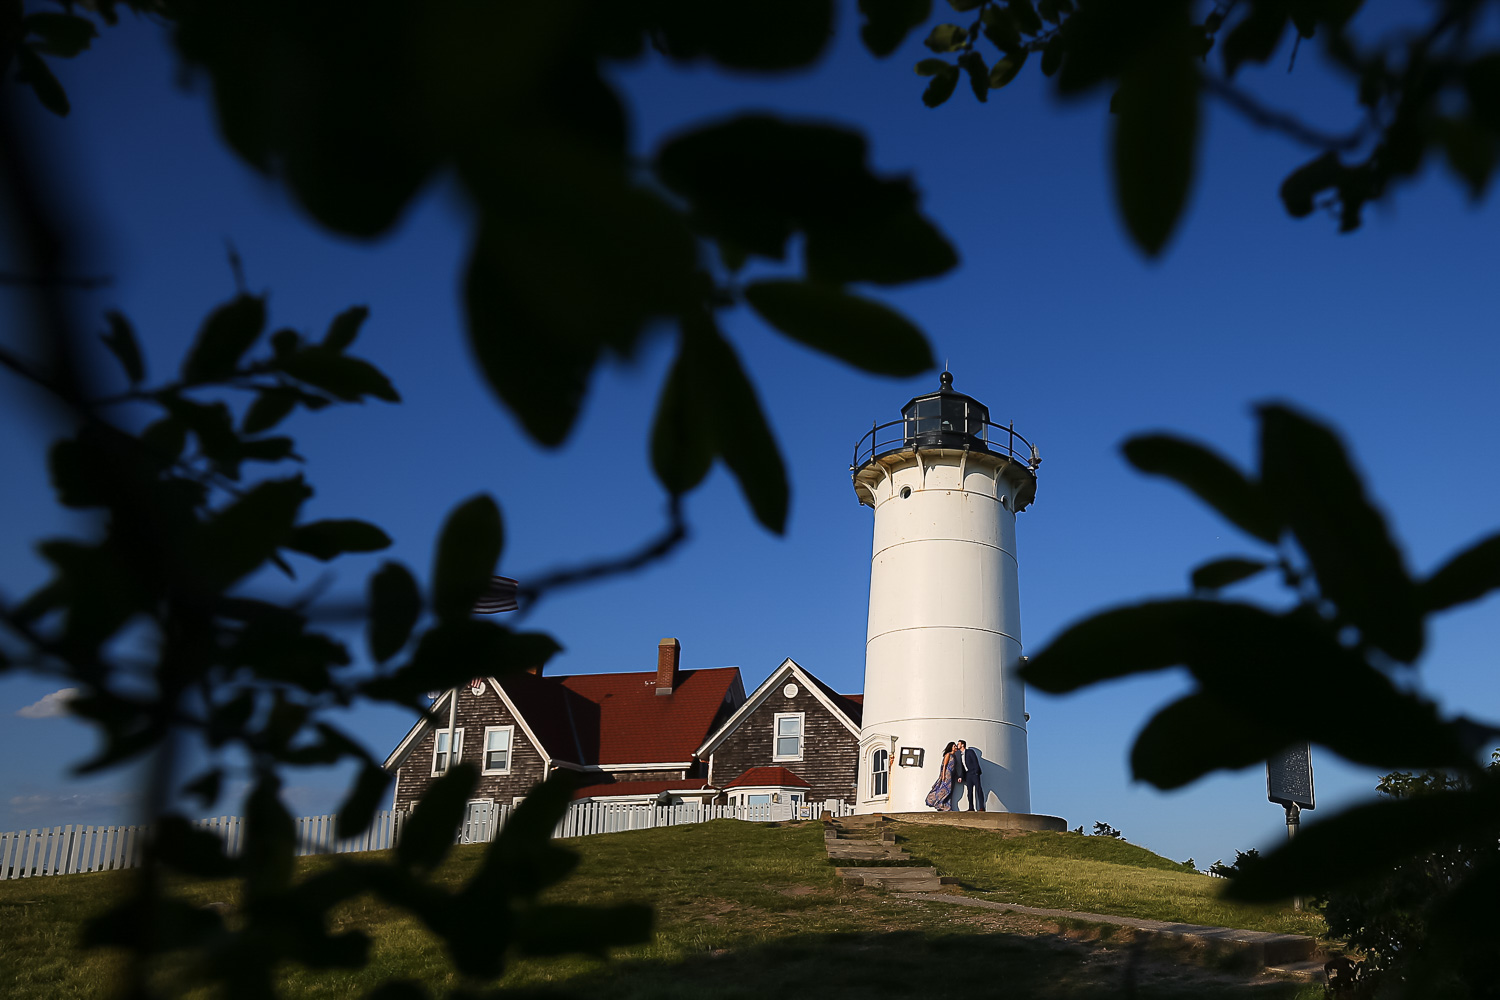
<point x="912" y="756"/>
<point x="1289" y="779"/>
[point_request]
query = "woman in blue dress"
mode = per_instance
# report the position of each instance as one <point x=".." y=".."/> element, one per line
<point x="941" y="796"/>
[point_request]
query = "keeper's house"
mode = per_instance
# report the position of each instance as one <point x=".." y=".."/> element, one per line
<point x="692" y="734"/>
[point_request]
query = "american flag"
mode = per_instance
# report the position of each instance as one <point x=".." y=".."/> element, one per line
<point x="499" y="596"/>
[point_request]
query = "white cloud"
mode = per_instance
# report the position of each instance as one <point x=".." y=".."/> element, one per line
<point x="50" y="706"/>
<point x="70" y="802"/>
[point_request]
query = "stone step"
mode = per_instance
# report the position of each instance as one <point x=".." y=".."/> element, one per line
<point x="906" y="884"/>
<point x="887" y="872"/>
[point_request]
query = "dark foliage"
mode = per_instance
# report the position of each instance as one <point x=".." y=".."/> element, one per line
<point x="1431" y="89"/>
<point x="1357" y="626"/>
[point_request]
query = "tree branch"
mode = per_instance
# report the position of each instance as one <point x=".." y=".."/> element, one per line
<point x="1279" y="121"/>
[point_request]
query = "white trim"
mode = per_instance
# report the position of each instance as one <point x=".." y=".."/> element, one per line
<point x="875" y="796"/>
<point x="789" y="668"/>
<point x="649" y="798"/>
<point x="786" y="792"/>
<point x="536" y="744"/>
<point x="776" y="736"/>
<point x="653" y="766"/>
<point x="415" y="734"/>
<point x="484" y="749"/>
<point x="455" y="753"/>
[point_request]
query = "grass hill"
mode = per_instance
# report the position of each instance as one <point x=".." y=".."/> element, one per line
<point x="1068" y="871"/>
<point x="743" y="911"/>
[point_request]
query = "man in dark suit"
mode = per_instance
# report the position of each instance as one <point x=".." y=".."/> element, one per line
<point x="971" y="773"/>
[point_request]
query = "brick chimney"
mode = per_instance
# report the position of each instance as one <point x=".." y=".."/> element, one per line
<point x="668" y="652"/>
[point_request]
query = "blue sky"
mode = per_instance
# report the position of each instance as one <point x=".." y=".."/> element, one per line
<point x="1052" y="319"/>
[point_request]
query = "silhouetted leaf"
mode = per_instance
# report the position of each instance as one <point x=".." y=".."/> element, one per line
<point x="943" y="83"/>
<point x="578" y="264"/>
<point x="230" y="718"/>
<point x="270" y="408"/>
<point x="1481" y="80"/>
<point x="888" y="21"/>
<point x="563" y="929"/>
<point x="1155" y="142"/>
<point x="769" y="35"/>
<point x="740" y="430"/>
<point x="1006" y="69"/>
<point x="467" y="551"/>
<point x="270" y="840"/>
<point x="63" y="35"/>
<point x="1198" y="734"/>
<point x="428" y="834"/>
<point x="1052" y="54"/>
<point x="165" y="439"/>
<point x="33" y="70"/>
<point x="946" y="38"/>
<point x="349" y="379"/>
<point x="756" y="180"/>
<point x="1255" y="38"/>
<point x="856" y="330"/>
<point x="272" y="449"/>
<point x="205" y="788"/>
<point x="979" y="74"/>
<point x="932" y="67"/>
<point x="358" y="810"/>
<point x="1466" y="577"/>
<point x="1223" y="572"/>
<point x="1215" y="481"/>
<point x="457" y="650"/>
<point x="191" y="851"/>
<point x="239" y="539"/>
<point x="1025" y="15"/>
<point x="1366" y="841"/>
<point x="1309" y="481"/>
<point x="122" y="343"/>
<point x="395" y="605"/>
<point x="326" y="540"/>
<point x="1304" y="184"/>
<point x="225" y="336"/>
<point x="1470" y="148"/>
<point x="683" y="444"/>
<point x="345" y="327"/>
<point x="150" y="926"/>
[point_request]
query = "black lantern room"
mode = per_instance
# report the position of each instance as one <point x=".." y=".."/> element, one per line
<point x="946" y="419"/>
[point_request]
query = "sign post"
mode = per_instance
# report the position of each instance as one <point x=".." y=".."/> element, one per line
<point x="1289" y="782"/>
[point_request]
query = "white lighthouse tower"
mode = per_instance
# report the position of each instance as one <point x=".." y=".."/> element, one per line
<point x="944" y="639"/>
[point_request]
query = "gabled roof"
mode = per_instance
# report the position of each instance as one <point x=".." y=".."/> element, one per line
<point x="619" y="718"/>
<point x="763" y="777"/>
<point x="848" y="709"/>
<point x="643" y="788"/>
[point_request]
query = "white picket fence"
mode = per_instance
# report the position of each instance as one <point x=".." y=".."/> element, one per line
<point x="67" y="850"/>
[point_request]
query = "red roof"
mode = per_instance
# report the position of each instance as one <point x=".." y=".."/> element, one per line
<point x="643" y="787"/>
<point x="776" y="777"/>
<point x="619" y="718"/>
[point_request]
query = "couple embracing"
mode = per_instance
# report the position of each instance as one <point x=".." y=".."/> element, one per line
<point x="960" y="766"/>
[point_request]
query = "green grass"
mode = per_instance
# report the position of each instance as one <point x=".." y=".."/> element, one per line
<point x="742" y="911"/>
<point x="1067" y="871"/>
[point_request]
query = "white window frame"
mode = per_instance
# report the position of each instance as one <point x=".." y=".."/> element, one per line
<point x="456" y="757"/>
<point x="776" y="736"/>
<point x="875" y="793"/>
<point x="510" y="749"/>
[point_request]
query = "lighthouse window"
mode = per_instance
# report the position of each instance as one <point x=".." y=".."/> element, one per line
<point x="788" y="736"/>
<point x="880" y="773"/>
<point x="905" y="492"/>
